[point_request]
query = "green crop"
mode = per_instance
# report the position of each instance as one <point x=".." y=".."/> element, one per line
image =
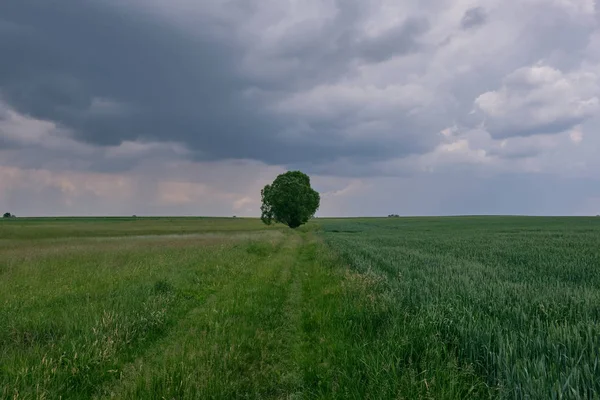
<point x="514" y="299"/>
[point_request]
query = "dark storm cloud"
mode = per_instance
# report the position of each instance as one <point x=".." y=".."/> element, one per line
<point x="60" y="58"/>
<point x="77" y="51"/>
<point x="473" y="17"/>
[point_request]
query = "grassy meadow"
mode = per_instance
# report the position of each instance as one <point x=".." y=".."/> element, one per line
<point x="217" y="308"/>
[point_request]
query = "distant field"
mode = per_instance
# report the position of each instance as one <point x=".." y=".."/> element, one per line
<point x="399" y="308"/>
<point x="43" y="228"/>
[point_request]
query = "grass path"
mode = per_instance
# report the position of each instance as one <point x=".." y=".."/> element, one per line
<point x="235" y="344"/>
<point x="295" y="325"/>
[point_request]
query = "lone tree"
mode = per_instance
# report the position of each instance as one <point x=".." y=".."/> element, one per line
<point x="289" y="200"/>
<point x="7" y="215"/>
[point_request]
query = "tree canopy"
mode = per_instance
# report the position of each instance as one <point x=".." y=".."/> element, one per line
<point x="289" y="200"/>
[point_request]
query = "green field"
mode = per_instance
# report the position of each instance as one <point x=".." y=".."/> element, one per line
<point x="209" y="308"/>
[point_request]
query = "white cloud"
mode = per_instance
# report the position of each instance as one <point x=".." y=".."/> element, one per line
<point x="450" y="131"/>
<point x="54" y="142"/>
<point x="576" y="135"/>
<point x="23" y="131"/>
<point x="246" y="204"/>
<point x="540" y="100"/>
<point x="585" y="7"/>
<point x="173" y="193"/>
<point x="130" y="148"/>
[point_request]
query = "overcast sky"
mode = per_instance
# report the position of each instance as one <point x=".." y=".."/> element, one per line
<point x="189" y="107"/>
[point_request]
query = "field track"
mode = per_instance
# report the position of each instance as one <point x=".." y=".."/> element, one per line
<point x="186" y="308"/>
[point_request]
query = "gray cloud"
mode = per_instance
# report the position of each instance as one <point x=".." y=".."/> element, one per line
<point x="398" y="40"/>
<point x="344" y="89"/>
<point x="111" y="72"/>
<point x="171" y="86"/>
<point x="176" y="86"/>
<point x="473" y="17"/>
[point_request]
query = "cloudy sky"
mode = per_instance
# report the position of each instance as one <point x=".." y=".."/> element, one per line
<point x="189" y="107"/>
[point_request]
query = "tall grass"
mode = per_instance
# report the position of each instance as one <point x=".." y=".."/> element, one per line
<point x="75" y="313"/>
